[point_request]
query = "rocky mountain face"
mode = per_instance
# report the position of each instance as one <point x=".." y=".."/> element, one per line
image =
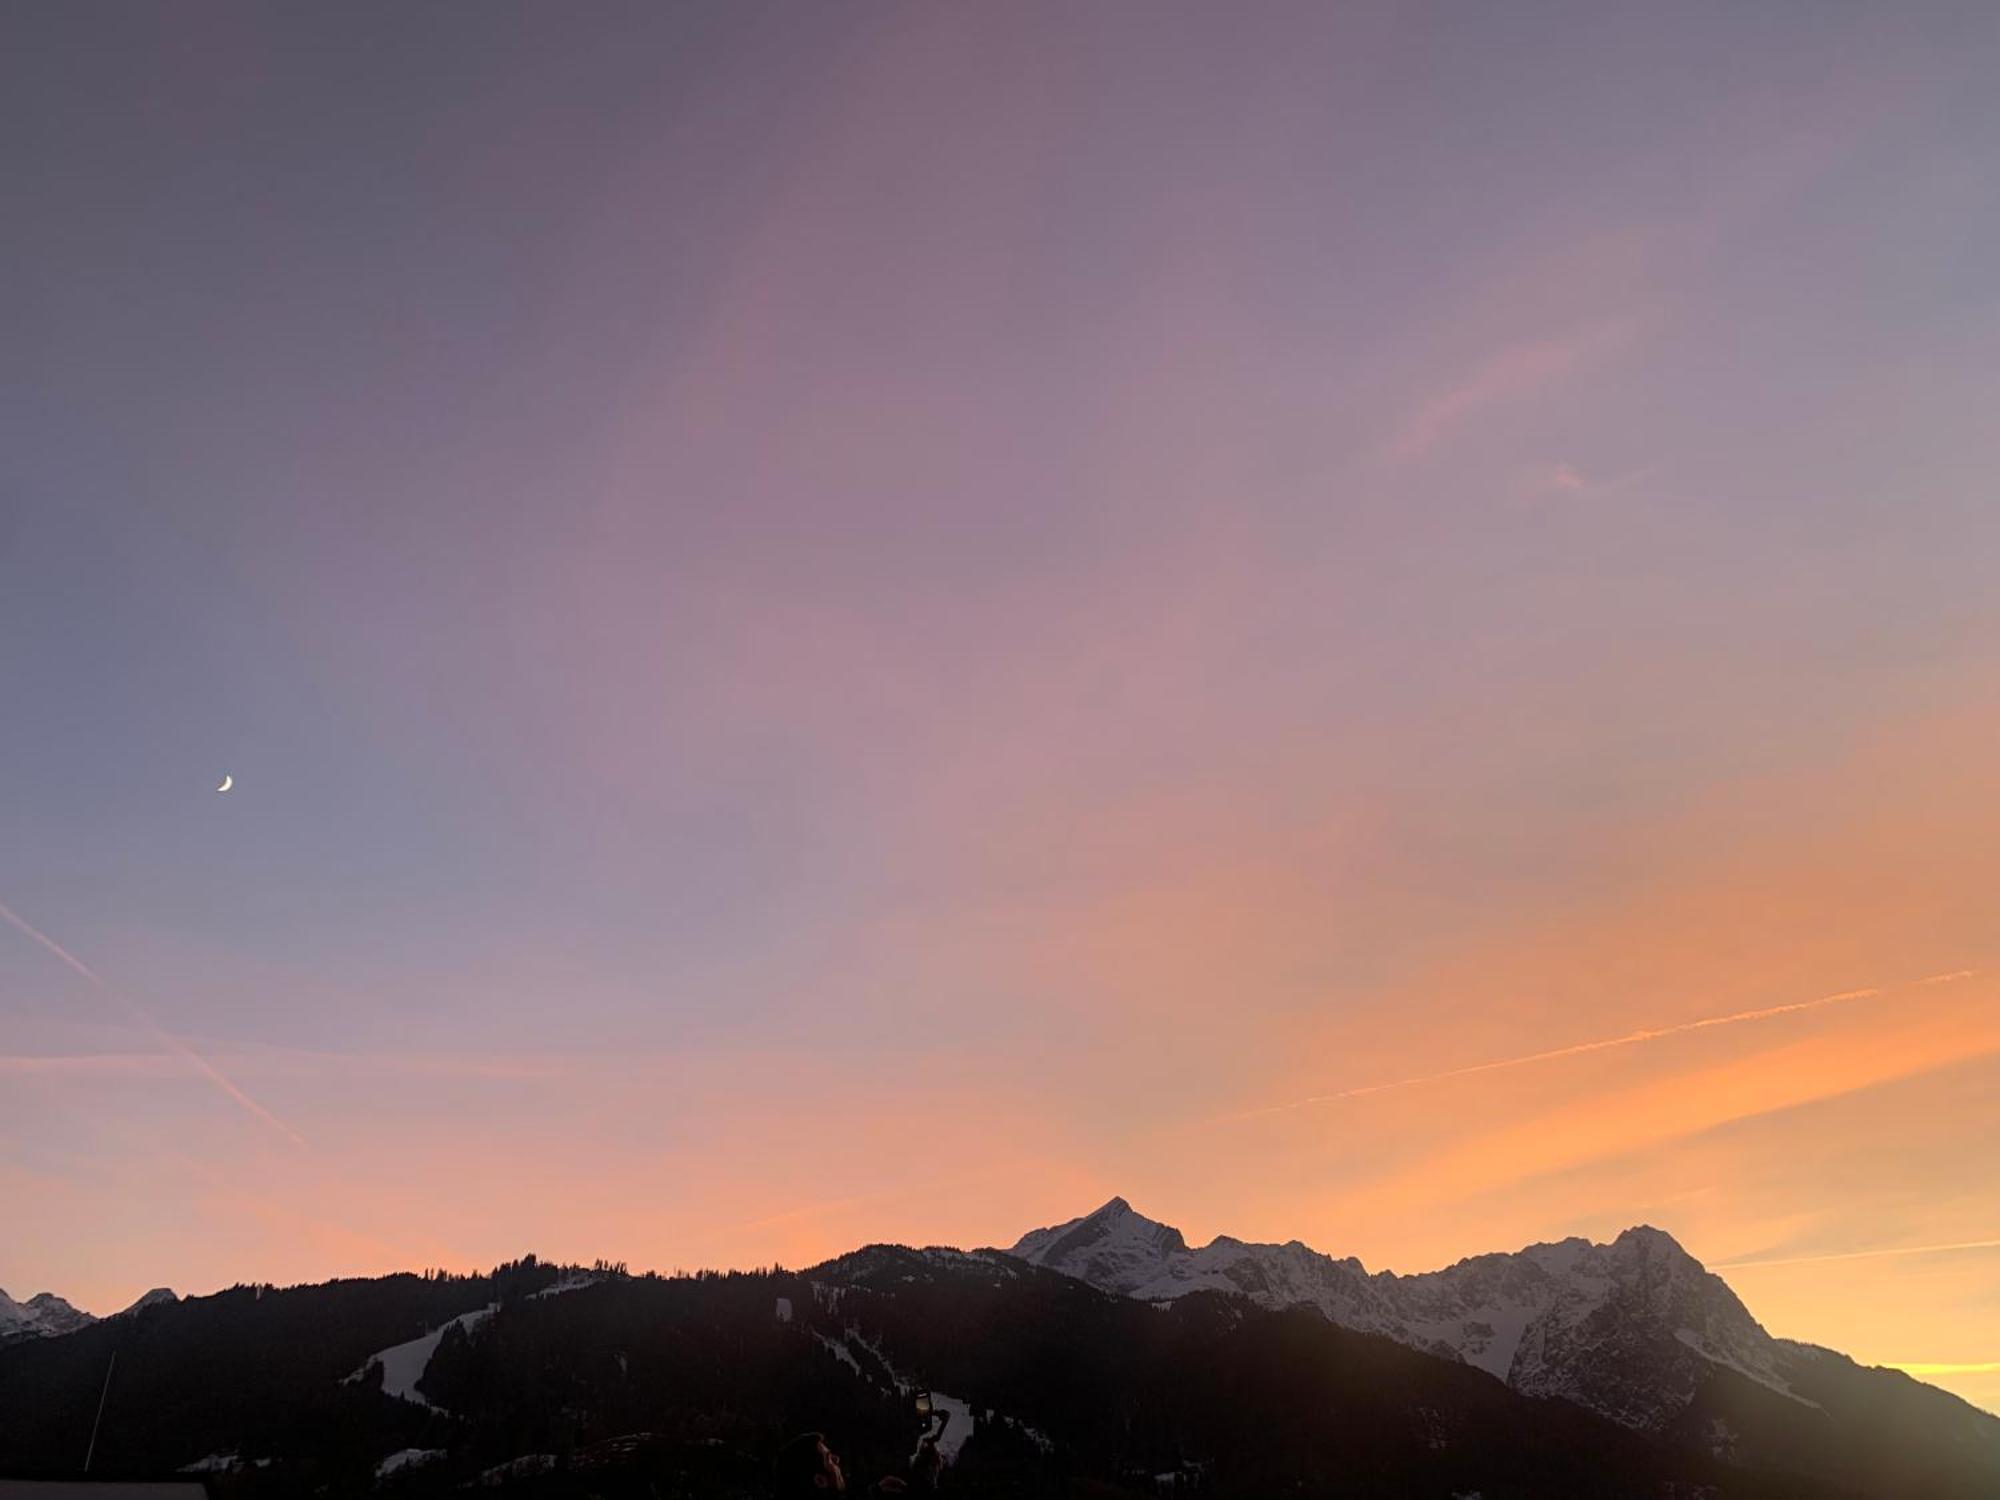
<point x="1637" y="1331"/>
<point x="47" y="1316"/>
<point x="44" y="1315"/>
<point x="1627" y="1329"/>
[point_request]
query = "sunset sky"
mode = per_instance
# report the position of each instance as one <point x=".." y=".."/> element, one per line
<point x="857" y="622"/>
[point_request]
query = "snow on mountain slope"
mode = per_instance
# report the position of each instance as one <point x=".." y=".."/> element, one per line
<point x="1625" y="1328"/>
<point x="47" y="1316"/>
<point x="403" y="1365"/>
<point x="42" y="1316"/>
<point x="959" y="1425"/>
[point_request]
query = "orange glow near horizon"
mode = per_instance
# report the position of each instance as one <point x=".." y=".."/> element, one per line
<point x="1810" y="1151"/>
<point x="1790" y="1150"/>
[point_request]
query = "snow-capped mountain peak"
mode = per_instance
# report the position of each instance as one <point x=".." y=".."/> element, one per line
<point x="1113" y="1247"/>
<point x="1628" y="1329"/>
<point x="42" y="1316"/>
<point x="47" y="1316"/>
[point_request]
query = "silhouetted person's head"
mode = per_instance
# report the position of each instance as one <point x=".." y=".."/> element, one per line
<point x="927" y="1464"/>
<point x="806" y="1466"/>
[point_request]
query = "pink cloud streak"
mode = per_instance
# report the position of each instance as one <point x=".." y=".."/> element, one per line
<point x="1513" y="374"/>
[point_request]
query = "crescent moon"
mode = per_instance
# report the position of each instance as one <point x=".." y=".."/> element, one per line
<point x="227" y="782"/>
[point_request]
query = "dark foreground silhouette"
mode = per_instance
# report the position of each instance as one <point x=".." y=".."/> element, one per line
<point x="653" y="1386"/>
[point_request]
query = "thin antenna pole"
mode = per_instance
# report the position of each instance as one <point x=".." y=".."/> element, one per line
<point x="102" y="1396"/>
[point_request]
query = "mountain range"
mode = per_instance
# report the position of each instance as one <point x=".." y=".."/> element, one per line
<point x="45" y="1315"/>
<point x="1636" y="1330"/>
<point x="1101" y="1356"/>
<point x="1631" y="1330"/>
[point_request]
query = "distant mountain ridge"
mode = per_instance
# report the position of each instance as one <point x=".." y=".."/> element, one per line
<point x="1629" y="1371"/>
<point x="47" y="1316"/>
<point x="1636" y="1330"/>
<point x="44" y="1315"/>
<point x="1537" y="1318"/>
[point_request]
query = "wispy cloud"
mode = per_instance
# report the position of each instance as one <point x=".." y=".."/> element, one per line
<point x="1983" y="1367"/>
<point x="92" y="1065"/>
<point x="1639" y="1117"/>
<point x="1578" y="1049"/>
<point x="141" y="1019"/>
<point x="1876" y="1254"/>
<point x="285" y="1062"/>
<point x="818" y="1210"/>
<point x="1570" y="481"/>
<point x="1510" y="375"/>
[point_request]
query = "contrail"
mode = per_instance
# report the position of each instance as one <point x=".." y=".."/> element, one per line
<point x="1629" y="1039"/>
<point x="138" y="1016"/>
<point x="1803" y="1260"/>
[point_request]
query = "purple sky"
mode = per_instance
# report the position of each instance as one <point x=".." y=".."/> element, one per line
<point x="853" y="621"/>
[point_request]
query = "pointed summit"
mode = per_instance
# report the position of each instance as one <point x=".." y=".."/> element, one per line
<point x="154" y="1298"/>
<point x="42" y="1316"/>
<point x="1114" y="1247"/>
<point x="1647" y="1235"/>
<point x="55" y="1314"/>
<point x="1629" y="1329"/>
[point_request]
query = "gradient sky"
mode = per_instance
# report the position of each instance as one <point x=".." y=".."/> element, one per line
<point x="863" y="622"/>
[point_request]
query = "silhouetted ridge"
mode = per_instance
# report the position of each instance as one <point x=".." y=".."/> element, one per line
<point x="1235" y="1370"/>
